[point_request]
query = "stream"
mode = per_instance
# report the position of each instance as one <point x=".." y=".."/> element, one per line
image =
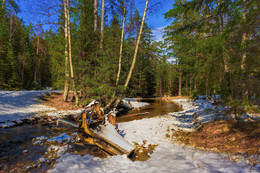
<point x="17" y="150"/>
<point x="156" y="108"/>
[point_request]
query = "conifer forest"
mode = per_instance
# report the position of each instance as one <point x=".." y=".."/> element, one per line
<point x="105" y="49"/>
<point x="146" y="86"/>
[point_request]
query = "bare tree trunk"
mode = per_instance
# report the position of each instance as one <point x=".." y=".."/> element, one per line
<point x="102" y="23"/>
<point x="186" y="87"/>
<point x="180" y="74"/>
<point x="160" y="89"/>
<point x="243" y="61"/>
<point x="206" y="91"/>
<point x="70" y="59"/>
<point x="121" y="46"/>
<point x="135" y="53"/>
<point x="136" y="47"/>
<point x="120" y="57"/>
<point x="95" y="16"/>
<point x="37" y="59"/>
<point x="66" y="82"/>
<point x="243" y="39"/>
<point x="225" y="60"/>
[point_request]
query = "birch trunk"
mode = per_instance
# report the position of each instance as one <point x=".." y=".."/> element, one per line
<point x="135" y="53"/>
<point x="120" y="57"/>
<point x="95" y="16"/>
<point x="102" y="23"/>
<point x="66" y="82"/>
<point x="121" y="46"/>
<point x="70" y="59"/>
<point x="136" y="47"/>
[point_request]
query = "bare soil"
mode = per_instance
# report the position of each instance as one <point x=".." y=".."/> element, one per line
<point x="56" y="100"/>
<point x="224" y="137"/>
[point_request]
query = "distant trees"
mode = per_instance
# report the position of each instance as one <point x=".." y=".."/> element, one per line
<point x="212" y="41"/>
<point x="18" y="52"/>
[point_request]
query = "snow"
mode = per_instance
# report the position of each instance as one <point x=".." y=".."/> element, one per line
<point x="60" y="139"/>
<point x="59" y="149"/>
<point x="138" y="105"/>
<point x="134" y="103"/>
<point x="168" y="155"/>
<point x="16" y="106"/>
<point x="108" y="131"/>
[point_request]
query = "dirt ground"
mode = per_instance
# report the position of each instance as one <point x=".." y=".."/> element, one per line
<point x="174" y="97"/>
<point x="224" y="137"/>
<point x="56" y="100"/>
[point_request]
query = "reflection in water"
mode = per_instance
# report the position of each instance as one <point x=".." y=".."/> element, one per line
<point x="156" y="108"/>
<point x="13" y="141"/>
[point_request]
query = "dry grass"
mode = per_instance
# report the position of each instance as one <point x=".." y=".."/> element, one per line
<point x="225" y="137"/>
<point x="56" y="100"/>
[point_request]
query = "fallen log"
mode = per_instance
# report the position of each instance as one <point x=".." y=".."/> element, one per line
<point x="132" y="115"/>
<point x="96" y="128"/>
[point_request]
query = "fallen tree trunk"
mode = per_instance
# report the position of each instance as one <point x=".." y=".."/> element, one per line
<point x="96" y="128"/>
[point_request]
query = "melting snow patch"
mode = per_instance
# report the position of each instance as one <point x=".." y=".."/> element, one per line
<point x="138" y="105"/>
<point x="60" y="139"/>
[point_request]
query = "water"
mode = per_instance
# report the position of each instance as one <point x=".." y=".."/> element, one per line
<point x="156" y="108"/>
<point x="13" y="141"/>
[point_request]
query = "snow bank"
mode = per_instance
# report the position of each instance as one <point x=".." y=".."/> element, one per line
<point x="167" y="157"/>
<point x="135" y="103"/>
<point x="195" y="113"/>
<point x="138" y="105"/>
<point x="16" y="106"/>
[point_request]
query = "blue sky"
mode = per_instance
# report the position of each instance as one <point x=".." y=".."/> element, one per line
<point x="155" y="18"/>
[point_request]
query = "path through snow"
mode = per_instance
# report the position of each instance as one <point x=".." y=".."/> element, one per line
<point x="167" y="157"/>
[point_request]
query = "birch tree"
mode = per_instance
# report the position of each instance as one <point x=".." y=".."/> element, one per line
<point x="66" y="80"/>
<point x="102" y="23"/>
<point x="95" y="16"/>
<point x="70" y="59"/>
<point x="136" y="47"/>
<point x="120" y="55"/>
<point x="135" y="53"/>
<point x="121" y="45"/>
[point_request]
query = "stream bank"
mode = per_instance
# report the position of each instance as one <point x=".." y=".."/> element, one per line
<point x="168" y="156"/>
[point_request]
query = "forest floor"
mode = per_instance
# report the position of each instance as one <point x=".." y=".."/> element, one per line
<point x="55" y="99"/>
<point x="162" y="131"/>
<point x="241" y="139"/>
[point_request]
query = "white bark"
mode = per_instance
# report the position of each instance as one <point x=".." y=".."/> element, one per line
<point x="121" y="46"/>
<point x="66" y="82"/>
<point x="136" y="47"/>
<point x="95" y="16"/>
<point x="70" y="59"/>
<point x="102" y="23"/>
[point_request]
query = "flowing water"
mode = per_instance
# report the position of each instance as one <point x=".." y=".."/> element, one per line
<point x="16" y="144"/>
<point x="156" y="108"/>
